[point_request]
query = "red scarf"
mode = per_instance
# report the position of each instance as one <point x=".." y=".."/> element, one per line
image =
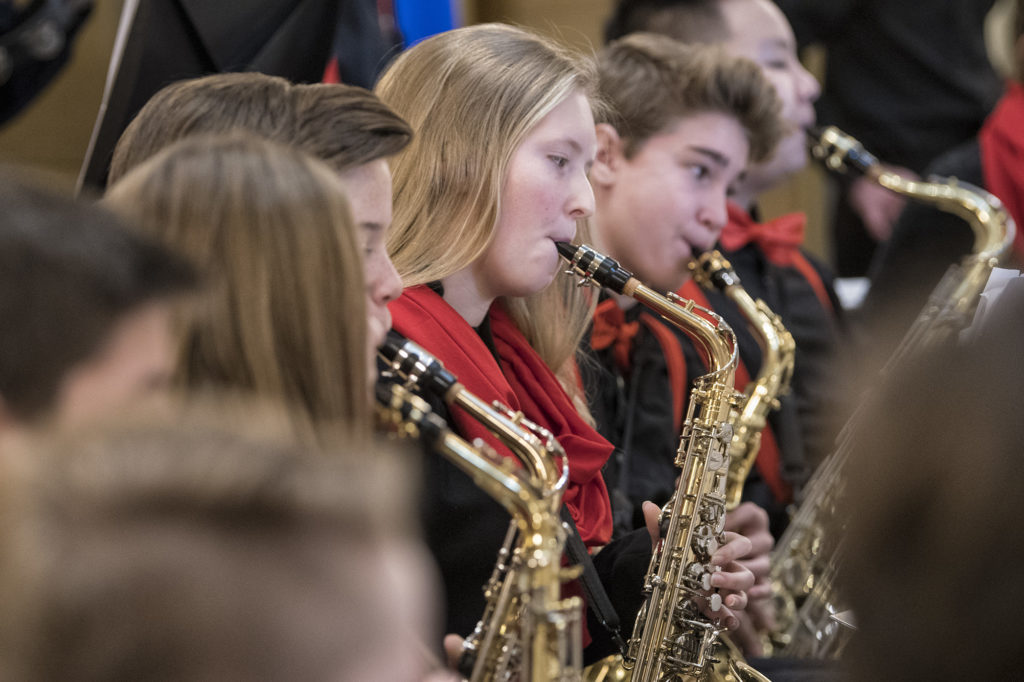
<point x="1002" y="157"/>
<point x="779" y="240"/>
<point x="522" y="382"/>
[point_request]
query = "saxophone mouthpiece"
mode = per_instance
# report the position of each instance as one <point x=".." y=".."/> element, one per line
<point x="839" y="151"/>
<point x="814" y="135"/>
<point x="415" y="364"/>
<point x="594" y="267"/>
<point x="565" y="250"/>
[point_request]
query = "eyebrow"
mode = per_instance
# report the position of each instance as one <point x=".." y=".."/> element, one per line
<point x="714" y="155"/>
<point x="371" y="226"/>
<point x="571" y="142"/>
<point x="780" y="43"/>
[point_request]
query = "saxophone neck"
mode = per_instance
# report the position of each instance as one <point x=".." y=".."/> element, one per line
<point x="712" y="271"/>
<point x="404" y="414"/>
<point x="991" y="224"/>
<point x="534" y="446"/>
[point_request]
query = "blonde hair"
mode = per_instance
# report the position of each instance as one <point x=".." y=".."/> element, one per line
<point x="472" y="95"/>
<point x="650" y="81"/>
<point x="271" y="229"/>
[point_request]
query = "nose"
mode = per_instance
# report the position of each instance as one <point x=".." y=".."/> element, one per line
<point x="581" y="198"/>
<point x="386" y="285"/>
<point x="807" y="85"/>
<point x="714" y="214"/>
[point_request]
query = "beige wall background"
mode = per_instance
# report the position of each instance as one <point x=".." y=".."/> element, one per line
<point x="52" y="135"/>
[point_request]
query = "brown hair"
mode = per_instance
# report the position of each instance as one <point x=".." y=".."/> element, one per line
<point x="691" y="21"/>
<point x="272" y="230"/>
<point x="932" y="496"/>
<point x="343" y="125"/>
<point x="69" y="272"/>
<point x="650" y="81"/>
<point x="208" y="545"/>
<point x="346" y="126"/>
<point x="219" y="103"/>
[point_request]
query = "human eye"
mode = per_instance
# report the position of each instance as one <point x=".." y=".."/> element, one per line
<point x="559" y="160"/>
<point x="699" y="171"/>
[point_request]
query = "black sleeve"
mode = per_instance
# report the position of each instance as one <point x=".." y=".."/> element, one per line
<point x="621" y="566"/>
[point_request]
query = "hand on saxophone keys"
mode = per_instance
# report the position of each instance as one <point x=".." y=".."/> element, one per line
<point x="729" y="584"/>
<point x="731" y="581"/>
<point x="759" y="616"/>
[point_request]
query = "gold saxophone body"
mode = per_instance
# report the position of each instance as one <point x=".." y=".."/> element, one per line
<point x="527" y="633"/>
<point x="672" y="638"/>
<point x="807" y="557"/>
<point x="712" y="270"/>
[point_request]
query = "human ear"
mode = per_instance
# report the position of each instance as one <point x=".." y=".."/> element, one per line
<point x="609" y="155"/>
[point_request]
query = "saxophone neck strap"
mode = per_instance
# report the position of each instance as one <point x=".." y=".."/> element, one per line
<point x="597" y="599"/>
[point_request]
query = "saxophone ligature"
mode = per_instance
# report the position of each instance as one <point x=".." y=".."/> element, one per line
<point x="712" y="270"/>
<point x="808" y="555"/>
<point x="527" y="632"/>
<point x="672" y="638"/>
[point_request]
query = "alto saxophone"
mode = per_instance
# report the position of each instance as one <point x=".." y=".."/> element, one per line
<point x="808" y="555"/>
<point x="527" y="632"/>
<point x="712" y="271"/>
<point x="672" y="638"/>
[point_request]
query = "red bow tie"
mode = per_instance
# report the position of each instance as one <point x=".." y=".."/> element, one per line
<point x="611" y="329"/>
<point x="778" y="239"/>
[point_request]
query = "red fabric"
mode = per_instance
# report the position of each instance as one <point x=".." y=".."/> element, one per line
<point x="1002" y="157"/>
<point x="675" y="363"/>
<point x="524" y="383"/>
<point x="611" y="329"/>
<point x="779" y="240"/>
<point x="332" y="74"/>
<point x="544" y="401"/>
<point x="768" y="457"/>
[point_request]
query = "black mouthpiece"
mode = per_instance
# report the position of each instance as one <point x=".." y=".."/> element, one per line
<point x="715" y="269"/>
<point x="814" y="134"/>
<point x="565" y="250"/>
<point x="591" y="265"/>
<point x="412" y="409"/>
<point x="410" y="361"/>
<point x="838" y="150"/>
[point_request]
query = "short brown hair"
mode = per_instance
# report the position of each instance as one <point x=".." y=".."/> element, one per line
<point x="220" y="103"/>
<point x="204" y="545"/>
<point x="343" y="125"/>
<point x="650" y="81"/>
<point x="69" y="272"/>
<point x="346" y="126"/>
<point x="691" y="21"/>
